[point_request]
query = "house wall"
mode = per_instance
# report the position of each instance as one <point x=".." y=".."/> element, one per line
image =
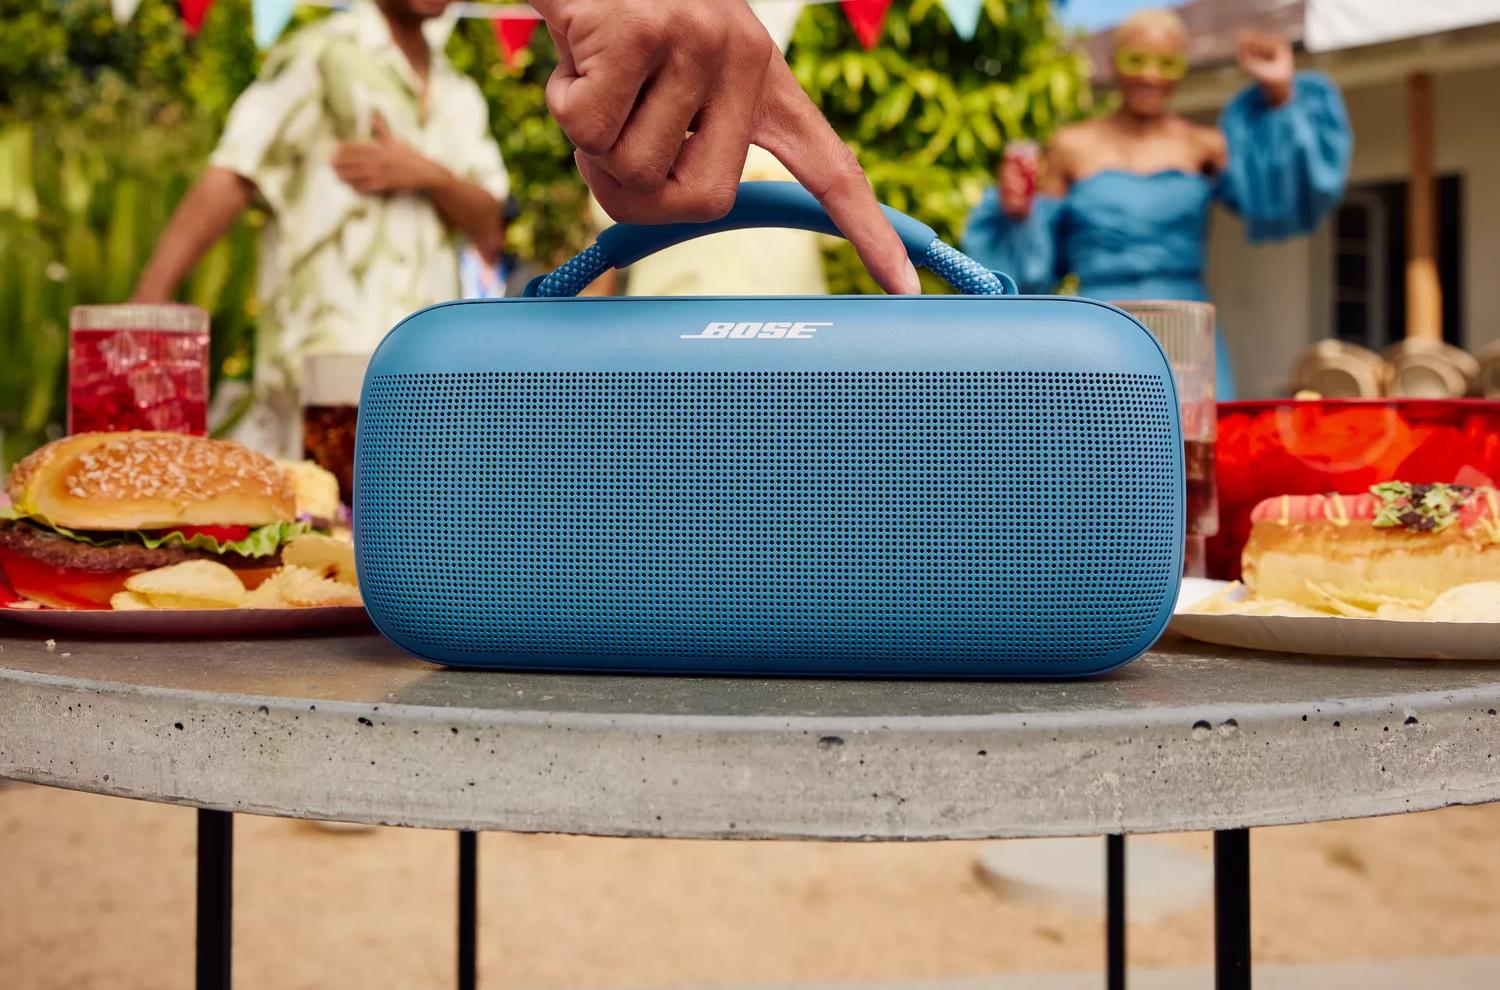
<point x="1273" y="299"/>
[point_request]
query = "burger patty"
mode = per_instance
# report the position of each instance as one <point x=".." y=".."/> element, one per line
<point x="59" y="551"/>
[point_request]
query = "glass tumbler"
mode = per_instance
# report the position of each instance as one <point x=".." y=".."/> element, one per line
<point x="331" y="385"/>
<point x="1186" y="332"/>
<point x="138" y="367"/>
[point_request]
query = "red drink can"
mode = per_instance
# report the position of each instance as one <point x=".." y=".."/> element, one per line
<point x="136" y="367"/>
<point x="1020" y="165"/>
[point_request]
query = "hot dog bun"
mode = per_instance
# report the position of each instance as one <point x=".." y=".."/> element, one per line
<point x="1399" y="543"/>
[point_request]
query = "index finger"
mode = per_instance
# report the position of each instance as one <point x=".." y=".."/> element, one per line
<point x="791" y="128"/>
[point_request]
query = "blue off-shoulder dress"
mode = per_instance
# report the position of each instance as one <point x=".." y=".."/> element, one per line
<point x="1130" y="235"/>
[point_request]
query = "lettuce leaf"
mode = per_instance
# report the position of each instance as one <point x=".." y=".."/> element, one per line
<point x="262" y="541"/>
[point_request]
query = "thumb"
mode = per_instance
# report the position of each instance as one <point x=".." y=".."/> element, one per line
<point x="379" y="129"/>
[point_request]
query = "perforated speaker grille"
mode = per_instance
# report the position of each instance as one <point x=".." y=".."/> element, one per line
<point x="592" y="518"/>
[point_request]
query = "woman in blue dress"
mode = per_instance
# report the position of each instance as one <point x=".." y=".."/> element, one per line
<point x="1122" y="201"/>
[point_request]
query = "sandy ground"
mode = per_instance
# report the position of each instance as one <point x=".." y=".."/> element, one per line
<point x="97" y="892"/>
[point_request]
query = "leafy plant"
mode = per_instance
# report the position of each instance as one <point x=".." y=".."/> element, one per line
<point x="928" y="113"/>
<point x="103" y="126"/>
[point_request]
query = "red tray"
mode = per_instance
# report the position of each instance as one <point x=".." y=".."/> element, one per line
<point x="1289" y="447"/>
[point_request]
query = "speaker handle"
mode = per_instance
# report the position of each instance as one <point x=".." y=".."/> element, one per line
<point x="765" y="204"/>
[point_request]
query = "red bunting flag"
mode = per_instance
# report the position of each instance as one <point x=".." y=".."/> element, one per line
<point x="866" y="16"/>
<point x="513" y="34"/>
<point x="193" y="12"/>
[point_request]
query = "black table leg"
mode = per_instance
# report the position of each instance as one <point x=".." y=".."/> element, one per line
<point x="468" y="911"/>
<point x="1114" y="911"/>
<point x="215" y="898"/>
<point x="1232" y="909"/>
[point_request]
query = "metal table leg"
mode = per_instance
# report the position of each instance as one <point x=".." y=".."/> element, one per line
<point x="468" y="911"/>
<point x="1114" y="911"/>
<point x="1232" y="909"/>
<point x="215" y="898"/>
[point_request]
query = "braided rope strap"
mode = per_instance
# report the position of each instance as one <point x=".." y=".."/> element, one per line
<point x="951" y="265"/>
<point x="963" y="272"/>
<point x="575" y="274"/>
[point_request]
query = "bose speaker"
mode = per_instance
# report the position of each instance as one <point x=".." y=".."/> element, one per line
<point x="973" y="485"/>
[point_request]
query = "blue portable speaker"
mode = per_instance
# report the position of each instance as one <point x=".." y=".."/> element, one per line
<point x="977" y="485"/>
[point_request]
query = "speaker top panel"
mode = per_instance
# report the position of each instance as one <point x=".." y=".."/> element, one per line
<point x="772" y="333"/>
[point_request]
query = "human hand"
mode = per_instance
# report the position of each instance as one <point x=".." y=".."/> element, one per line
<point x="634" y="79"/>
<point x="385" y="164"/>
<point x="1267" y="58"/>
<point x="1017" y="182"/>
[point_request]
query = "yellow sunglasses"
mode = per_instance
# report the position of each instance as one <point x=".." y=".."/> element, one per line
<point x="1136" y="62"/>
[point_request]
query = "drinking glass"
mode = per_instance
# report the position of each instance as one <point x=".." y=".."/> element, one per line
<point x="138" y="367"/>
<point x="1186" y="331"/>
<point x="330" y="408"/>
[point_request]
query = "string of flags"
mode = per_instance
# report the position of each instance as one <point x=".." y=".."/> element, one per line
<point x="514" y="24"/>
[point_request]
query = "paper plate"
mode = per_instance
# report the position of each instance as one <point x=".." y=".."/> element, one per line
<point x="1333" y="635"/>
<point x="209" y="623"/>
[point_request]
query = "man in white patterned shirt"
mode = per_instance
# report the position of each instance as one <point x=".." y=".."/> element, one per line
<point x="373" y="157"/>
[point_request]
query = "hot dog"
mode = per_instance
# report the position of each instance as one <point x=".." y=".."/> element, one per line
<point x="1400" y="543"/>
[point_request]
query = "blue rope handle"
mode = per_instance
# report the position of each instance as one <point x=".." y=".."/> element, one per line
<point x="765" y="204"/>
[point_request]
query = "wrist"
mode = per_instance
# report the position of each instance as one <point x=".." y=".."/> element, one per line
<point x="431" y="176"/>
<point x="1276" y="92"/>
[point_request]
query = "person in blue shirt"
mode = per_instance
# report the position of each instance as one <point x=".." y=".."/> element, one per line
<point x="1122" y="201"/>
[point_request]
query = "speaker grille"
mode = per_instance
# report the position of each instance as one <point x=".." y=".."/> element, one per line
<point x="728" y="517"/>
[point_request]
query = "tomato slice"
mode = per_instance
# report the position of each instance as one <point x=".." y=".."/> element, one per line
<point x="60" y="587"/>
<point x="7" y="593"/>
<point x="224" y="534"/>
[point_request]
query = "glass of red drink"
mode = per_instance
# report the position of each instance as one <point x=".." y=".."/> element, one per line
<point x="1315" y="446"/>
<point x="136" y="367"/>
<point x="1186" y="333"/>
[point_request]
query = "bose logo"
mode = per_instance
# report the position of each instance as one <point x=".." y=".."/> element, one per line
<point x="760" y="331"/>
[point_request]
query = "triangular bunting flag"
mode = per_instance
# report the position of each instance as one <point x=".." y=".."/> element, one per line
<point x="965" y="16"/>
<point x="780" y="19"/>
<point x="269" y="18"/>
<point x="123" y="10"/>
<point x="866" y="16"/>
<point x="193" y="12"/>
<point x="513" y="34"/>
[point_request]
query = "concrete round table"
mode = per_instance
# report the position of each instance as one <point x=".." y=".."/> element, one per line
<point x="347" y="727"/>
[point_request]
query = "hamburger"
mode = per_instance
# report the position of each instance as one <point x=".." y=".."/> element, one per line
<point x="90" y="511"/>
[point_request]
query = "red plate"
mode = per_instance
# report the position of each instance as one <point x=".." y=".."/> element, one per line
<point x="209" y="623"/>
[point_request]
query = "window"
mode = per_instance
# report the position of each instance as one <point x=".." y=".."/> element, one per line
<point x="1368" y="272"/>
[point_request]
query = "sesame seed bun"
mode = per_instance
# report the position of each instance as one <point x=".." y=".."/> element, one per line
<point x="145" y="480"/>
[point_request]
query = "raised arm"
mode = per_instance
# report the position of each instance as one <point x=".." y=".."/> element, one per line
<point x="201" y="218"/>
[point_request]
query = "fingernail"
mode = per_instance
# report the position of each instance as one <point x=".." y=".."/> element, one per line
<point x="912" y="285"/>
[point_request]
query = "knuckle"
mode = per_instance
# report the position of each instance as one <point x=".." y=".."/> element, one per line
<point x="646" y="27"/>
<point x="715" y="200"/>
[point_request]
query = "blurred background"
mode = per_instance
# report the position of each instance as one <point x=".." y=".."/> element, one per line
<point x="103" y="125"/>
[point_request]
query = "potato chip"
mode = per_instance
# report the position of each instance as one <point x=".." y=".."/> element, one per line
<point x="1477" y="602"/>
<point x="1365" y="601"/>
<point x="1401" y="613"/>
<point x="129" y="601"/>
<point x="1226" y="599"/>
<point x="327" y="556"/>
<point x="316" y="488"/>
<point x="267" y="595"/>
<point x="190" y="584"/>
<point x="311" y="589"/>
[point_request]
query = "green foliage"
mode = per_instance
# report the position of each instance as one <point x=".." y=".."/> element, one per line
<point x="554" y="216"/>
<point x="104" y="126"/>
<point x="928" y="113"/>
